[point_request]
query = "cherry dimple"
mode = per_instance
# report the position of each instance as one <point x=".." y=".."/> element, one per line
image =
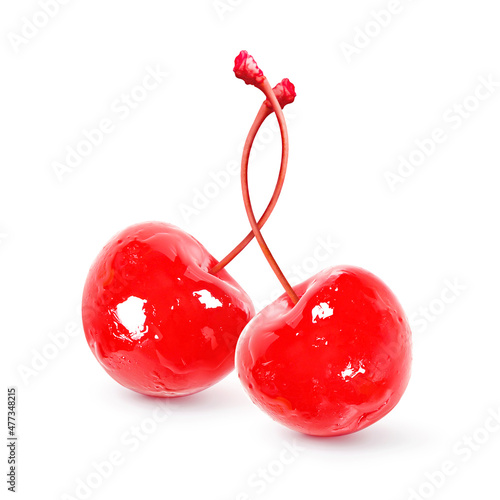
<point x="155" y="307"/>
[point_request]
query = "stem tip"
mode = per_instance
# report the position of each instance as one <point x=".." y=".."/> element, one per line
<point x="247" y="70"/>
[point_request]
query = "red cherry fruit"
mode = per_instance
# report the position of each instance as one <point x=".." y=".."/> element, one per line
<point x="155" y="318"/>
<point x="331" y="356"/>
<point x="161" y="315"/>
<point x="335" y="362"/>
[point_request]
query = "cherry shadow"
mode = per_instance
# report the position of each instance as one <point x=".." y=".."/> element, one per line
<point x="383" y="436"/>
<point x="222" y="397"/>
<point x="227" y="397"/>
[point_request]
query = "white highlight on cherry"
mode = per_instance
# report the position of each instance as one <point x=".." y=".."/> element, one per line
<point x="349" y="370"/>
<point x="132" y="316"/>
<point x="321" y="311"/>
<point x="207" y="299"/>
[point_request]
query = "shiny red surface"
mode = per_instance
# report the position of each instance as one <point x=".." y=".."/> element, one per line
<point x="336" y="362"/>
<point x="154" y="317"/>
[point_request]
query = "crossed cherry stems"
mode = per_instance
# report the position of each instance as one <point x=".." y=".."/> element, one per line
<point x="276" y="99"/>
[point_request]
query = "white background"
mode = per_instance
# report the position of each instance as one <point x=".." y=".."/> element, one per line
<point x="353" y="118"/>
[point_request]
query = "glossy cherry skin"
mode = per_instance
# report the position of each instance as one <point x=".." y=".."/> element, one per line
<point x="334" y="363"/>
<point x="154" y="317"/>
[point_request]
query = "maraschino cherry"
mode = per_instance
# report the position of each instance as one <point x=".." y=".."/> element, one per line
<point x="330" y="356"/>
<point x="155" y="318"/>
<point x="160" y="314"/>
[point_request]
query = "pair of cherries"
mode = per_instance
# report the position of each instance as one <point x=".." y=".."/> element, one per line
<point x="164" y="318"/>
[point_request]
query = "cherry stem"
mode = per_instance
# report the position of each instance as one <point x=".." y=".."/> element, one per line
<point x="263" y="113"/>
<point x="265" y="87"/>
